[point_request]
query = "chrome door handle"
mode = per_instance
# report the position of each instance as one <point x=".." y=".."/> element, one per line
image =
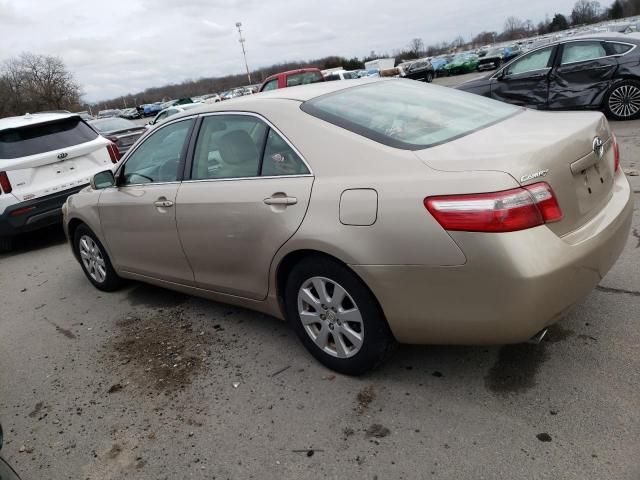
<point x="163" y="203"/>
<point x="281" y="200"/>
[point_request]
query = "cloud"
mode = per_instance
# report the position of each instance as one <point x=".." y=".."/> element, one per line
<point x="122" y="46"/>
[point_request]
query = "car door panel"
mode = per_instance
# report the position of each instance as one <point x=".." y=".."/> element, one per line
<point x="582" y="84"/>
<point x="141" y="236"/>
<point x="529" y="89"/>
<point x="138" y="217"/>
<point x="230" y="234"/>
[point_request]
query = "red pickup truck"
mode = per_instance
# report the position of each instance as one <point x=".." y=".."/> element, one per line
<point x="292" y="78"/>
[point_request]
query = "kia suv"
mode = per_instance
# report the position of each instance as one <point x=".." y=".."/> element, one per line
<point x="44" y="158"/>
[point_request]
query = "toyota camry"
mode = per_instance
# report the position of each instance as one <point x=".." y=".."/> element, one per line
<point x="365" y="213"/>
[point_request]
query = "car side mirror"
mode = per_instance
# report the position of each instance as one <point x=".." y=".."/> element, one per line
<point x="102" y="180"/>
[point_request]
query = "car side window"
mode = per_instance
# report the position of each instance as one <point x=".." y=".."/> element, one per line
<point x="280" y="159"/>
<point x="157" y="159"/>
<point x="228" y="146"/>
<point x="271" y="85"/>
<point x="619" y="48"/>
<point x="582" y="52"/>
<point x="537" y="60"/>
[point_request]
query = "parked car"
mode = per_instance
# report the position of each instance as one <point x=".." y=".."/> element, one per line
<point x="130" y="113"/>
<point x="595" y="72"/>
<point x="6" y="472"/>
<point x="292" y="78"/>
<point x="151" y="109"/>
<point x="213" y="98"/>
<point x="44" y="158"/>
<point x="461" y="63"/>
<point x="370" y="73"/>
<point x="439" y="63"/>
<point x="107" y="113"/>
<point x="344" y="75"/>
<point x="497" y="56"/>
<point x="420" y="70"/>
<point x="486" y="203"/>
<point x="120" y="131"/>
<point x="169" y="112"/>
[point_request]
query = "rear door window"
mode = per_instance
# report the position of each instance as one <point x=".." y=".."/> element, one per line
<point x="280" y="159"/>
<point x="582" y="52"/>
<point x="44" y="137"/>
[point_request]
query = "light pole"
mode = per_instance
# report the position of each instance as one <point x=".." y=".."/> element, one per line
<point x="244" y="53"/>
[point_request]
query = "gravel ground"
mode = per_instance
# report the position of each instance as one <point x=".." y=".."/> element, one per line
<point x="150" y="384"/>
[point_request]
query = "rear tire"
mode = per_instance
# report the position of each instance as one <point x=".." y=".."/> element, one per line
<point x="428" y="77"/>
<point x="340" y="322"/>
<point x="94" y="260"/>
<point x="622" y="101"/>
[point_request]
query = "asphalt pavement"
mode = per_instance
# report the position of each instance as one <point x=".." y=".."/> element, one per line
<point x="145" y="383"/>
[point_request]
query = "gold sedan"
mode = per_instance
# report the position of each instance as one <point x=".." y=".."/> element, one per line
<point x="365" y="213"/>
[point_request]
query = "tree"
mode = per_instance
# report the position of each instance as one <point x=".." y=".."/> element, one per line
<point x="31" y="83"/>
<point x="616" y="10"/>
<point x="512" y="26"/>
<point x="416" y="47"/>
<point x="558" y="23"/>
<point x="585" y="12"/>
<point x="631" y="7"/>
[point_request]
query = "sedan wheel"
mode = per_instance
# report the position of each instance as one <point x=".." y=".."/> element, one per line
<point x="623" y="101"/>
<point x="94" y="260"/>
<point x="336" y="316"/>
<point x="330" y="317"/>
<point x="429" y="77"/>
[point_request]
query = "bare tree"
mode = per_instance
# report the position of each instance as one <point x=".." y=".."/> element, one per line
<point x="416" y="47"/>
<point x="512" y="25"/>
<point x="37" y="82"/>
<point x="586" y="11"/>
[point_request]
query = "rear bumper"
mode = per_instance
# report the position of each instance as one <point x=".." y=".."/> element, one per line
<point x="512" y="286"/>
<point x="34" y="214"/>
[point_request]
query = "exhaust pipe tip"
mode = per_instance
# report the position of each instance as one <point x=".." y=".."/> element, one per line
<point x="537" y="338"/>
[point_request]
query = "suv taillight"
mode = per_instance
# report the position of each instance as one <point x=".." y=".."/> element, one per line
<point x="616" y="153"/>
<point x="114" y="153"/>
<point x="5" y="184"/>
<point x="506" y="211"/>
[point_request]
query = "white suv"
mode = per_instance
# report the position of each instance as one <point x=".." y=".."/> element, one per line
<point x="44" y="158"/>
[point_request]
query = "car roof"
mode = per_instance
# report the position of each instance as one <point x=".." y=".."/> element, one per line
<point x="32" y="119"/>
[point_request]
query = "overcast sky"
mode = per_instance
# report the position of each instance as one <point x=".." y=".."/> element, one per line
<point x="117" y="47"/>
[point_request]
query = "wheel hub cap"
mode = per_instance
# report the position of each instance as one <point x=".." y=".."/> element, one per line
<point x="92" y="259"/>
<point x="624" y="101"/>
<point x="330" y="317"/>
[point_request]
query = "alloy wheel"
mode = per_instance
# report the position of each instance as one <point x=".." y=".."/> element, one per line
<point x="330" y="317"/>
<point x="92" y="259"/>
<point x="624" y="101"/>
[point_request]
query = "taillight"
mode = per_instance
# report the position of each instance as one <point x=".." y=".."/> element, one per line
<point x="616" y="153"/>
<point x="5" y="184"/>
<point x="114" y="153"/>
<point x="506" y="211"/>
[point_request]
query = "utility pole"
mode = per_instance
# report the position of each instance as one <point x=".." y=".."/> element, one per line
<point x="244" y="53"/>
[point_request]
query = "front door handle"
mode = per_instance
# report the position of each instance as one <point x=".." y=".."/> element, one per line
<point x="281" y="201"/>
<point x="163" y="203"/>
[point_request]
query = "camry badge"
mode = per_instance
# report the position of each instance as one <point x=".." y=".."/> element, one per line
<point x="598" y="147"/>
<point x="540" y="174"/>
<point x="63" y="155"/>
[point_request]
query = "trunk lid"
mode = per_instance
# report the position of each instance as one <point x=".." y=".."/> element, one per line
<point x="557" y="148"/>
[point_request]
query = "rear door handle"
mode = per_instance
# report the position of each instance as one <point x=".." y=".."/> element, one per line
<point x="281" y="200"/>
<point x="163" y="203"/>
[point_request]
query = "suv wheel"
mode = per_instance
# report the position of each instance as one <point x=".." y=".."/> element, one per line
<point x="622" y="102"/>
<point x="94" y="260"/>
<point x="336" y="316"/>
<point x="428" y="77"/>
<point x="6" y="243"/>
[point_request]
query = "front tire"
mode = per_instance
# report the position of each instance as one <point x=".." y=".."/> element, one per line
<point x="428" y="77"/>
<point x="622" y="101"/>
<point x="336" y="316"/>
<point x="94" y="260"/>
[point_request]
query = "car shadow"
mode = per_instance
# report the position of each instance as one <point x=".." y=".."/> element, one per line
<point x="37" y="240"/>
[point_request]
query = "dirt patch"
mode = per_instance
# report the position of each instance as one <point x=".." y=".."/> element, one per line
<point x="63" y="331"/>
<point x="161" y="349"/>
<point x="36" y="410"/>
<point x="364" y="398"/>
<point x="557" y="333"/>
<point x="377" y="431"/>
<point x="115" y="451"/>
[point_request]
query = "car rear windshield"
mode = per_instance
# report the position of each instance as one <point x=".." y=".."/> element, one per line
<point x="303" y="78"/>
<point x="44" y="137"/>
<point x="407" y="114"/>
